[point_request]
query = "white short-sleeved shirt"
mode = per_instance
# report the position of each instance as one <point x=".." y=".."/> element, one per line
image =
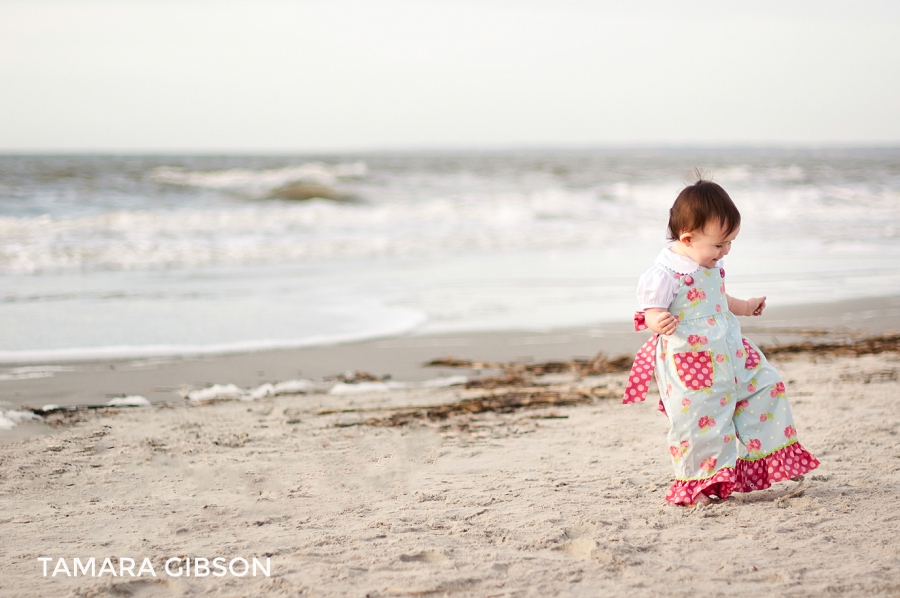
<point x="657" y="287"/>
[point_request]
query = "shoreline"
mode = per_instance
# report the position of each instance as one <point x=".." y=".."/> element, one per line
<point x="159" y="380"/>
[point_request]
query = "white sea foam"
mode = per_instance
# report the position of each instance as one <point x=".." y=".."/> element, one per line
<point x="225" y="392"/>
<point x="12" y="418"/>
<point x="355" y="388"/>
<point x="289" y="387"/>
<point x="33" y="372"/>
<point x="261" y="392"/>
<point x="130" y="401"/>
<point x="215" y="392"/>
<point x="233" y="392"/>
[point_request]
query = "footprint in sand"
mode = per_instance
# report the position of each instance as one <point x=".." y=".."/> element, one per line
<point x="426" y="556"/>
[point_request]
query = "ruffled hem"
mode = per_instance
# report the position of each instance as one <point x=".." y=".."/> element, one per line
<point x="685" y="492"/>
<point x="784" y="464"/>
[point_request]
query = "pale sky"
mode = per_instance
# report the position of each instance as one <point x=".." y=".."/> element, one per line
<point x="300" y="75"/>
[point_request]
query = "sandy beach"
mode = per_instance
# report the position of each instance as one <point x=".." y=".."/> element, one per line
<point x="337" y="299"/>
<point x="327" y="492"/>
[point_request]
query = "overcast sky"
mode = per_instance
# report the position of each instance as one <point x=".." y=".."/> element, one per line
<point x="284" y="75"/>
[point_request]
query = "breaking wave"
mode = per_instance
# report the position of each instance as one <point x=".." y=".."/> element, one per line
<point x="249" y="180"/>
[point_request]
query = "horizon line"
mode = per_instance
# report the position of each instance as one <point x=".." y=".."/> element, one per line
<point x="453" y="148"/>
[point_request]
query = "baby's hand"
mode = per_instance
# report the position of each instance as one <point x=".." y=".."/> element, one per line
<point x="756" y="305"/>
<point x="661" y="321"/>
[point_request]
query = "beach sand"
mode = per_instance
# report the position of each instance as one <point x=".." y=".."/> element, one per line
<point x="557" y="500"/>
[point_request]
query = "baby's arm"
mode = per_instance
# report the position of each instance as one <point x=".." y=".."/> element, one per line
<point x="753" y="306"/>
<point x="660" y="320"/>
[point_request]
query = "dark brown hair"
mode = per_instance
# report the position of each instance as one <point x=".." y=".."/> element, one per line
<point x="699" y="204"/>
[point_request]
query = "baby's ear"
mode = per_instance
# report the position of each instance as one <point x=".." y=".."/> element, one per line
<point x="686" y="238"/>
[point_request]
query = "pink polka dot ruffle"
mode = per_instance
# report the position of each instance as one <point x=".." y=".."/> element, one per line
<point x="721" y="484"/>
<point x="784" y="464"/>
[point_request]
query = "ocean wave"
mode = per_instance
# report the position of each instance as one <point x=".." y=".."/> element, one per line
<point x="275" y="231"/>
<point x="272" y="232"/>
<point x="759" y="175"/>
<point x="248" y="180"/>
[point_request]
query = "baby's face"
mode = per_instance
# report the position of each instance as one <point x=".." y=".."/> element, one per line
<point x="708" y="246"/>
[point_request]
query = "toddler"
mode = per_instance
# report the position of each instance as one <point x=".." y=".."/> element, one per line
<point x="731" y="426"/>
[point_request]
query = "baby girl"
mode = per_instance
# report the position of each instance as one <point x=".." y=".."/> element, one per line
<point x="731" y="425"/>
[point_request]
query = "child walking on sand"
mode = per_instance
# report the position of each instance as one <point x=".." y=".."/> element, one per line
<point x="731" y="426"/>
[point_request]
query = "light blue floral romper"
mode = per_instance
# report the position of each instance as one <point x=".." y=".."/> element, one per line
<point x="731" y="425"/>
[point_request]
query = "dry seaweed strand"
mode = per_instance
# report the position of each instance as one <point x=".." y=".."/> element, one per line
<point x="872" y="345"/>
<point x="515" y="389"/>
<point x="519" y="374"/>
<point x="354" y="377"/>
<point x="601" y="364"/>
<point x="75" y="414"/>
<point x="516" y="373"/>
<point x="503" y="402"/>
<point x="597" y="365"/>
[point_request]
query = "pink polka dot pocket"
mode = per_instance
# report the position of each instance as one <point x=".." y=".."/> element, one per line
<point x="695" y="369"/>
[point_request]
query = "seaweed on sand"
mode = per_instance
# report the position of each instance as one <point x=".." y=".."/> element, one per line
<point x="871" y="345"/>
<point x="517" y="387"/>
<point x="597" y="365"/>
<point x="507" y="401"/>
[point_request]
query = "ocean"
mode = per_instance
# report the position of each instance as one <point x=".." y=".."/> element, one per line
<point x="140" y="256"/>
